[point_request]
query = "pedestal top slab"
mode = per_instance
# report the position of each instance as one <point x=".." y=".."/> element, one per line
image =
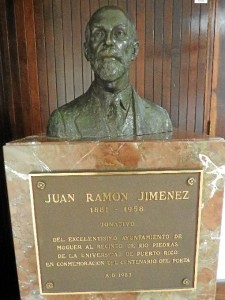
<point x="176" y="135"/>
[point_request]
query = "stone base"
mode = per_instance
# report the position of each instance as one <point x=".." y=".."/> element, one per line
<point x="181" y="152"/>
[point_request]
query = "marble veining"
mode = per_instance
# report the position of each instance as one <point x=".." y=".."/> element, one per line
<point x="41" y="154"/>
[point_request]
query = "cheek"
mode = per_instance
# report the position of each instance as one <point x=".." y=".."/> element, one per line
<point x="95" y="48"/>
<point x="94" y="45"/>
<point x="127" y="52"/>
<point x="125" y="47"/>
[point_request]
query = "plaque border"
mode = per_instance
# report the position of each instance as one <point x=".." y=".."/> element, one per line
<point x="108" y="173"/>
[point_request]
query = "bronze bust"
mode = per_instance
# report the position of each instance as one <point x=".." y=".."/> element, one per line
<point x="110" y="108"/>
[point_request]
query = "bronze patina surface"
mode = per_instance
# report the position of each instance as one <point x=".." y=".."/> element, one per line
<point x="116" y="231"/>
<point x="110" y="107"/>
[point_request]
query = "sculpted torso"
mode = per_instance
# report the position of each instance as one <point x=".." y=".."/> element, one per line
<point x="111" y="107"/>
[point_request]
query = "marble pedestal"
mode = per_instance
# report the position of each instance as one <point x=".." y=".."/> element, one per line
<point x="182" y="151"/>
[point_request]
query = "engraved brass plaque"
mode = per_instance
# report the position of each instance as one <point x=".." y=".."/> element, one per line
<point x="116" y="231"/>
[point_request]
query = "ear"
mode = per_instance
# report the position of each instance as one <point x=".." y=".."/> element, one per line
<point x="135" y="50"/>
<point x="86" y="51"/>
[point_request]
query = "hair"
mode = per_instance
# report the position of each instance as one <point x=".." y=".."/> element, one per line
<point x="105" y="8"/>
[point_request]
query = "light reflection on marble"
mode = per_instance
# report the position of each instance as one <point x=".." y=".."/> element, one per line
<point x="180" y="152"/>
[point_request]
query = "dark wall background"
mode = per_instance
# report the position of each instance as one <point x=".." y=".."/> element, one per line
<point x="180" y="66"/>
<point x="46" y="67"/>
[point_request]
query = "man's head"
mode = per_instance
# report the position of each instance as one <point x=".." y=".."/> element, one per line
<point x="111" y="43"/>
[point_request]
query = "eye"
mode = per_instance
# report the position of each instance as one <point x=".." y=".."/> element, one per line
<point x="98" y="35"/>
<point x="120" y="33"/>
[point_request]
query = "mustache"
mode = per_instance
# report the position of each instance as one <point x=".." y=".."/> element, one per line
<point x="109" y="53"/>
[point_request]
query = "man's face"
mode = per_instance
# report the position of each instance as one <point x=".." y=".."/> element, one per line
<point x="111" y="46"/>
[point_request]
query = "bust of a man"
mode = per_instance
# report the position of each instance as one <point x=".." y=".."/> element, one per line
<point x="111" y="107"/>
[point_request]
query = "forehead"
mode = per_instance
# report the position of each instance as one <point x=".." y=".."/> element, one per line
<point x="110" y="18"/>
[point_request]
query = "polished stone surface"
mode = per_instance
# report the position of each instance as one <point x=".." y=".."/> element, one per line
<point x="181" y="151"/>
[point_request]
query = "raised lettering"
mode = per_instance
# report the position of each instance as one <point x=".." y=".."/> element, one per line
<point x="103" y="197"/>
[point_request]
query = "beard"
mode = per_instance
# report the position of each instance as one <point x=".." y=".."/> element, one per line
<point x="109" y="69"/>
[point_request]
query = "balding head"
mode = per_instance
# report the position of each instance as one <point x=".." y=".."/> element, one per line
<point x="110" y="9"/>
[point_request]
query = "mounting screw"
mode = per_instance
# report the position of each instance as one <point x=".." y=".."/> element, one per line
<point x="186" y="282"/>
<point x="49" y="285"/>
<point x="191" y="181"/>
<point x="41" y="185"/>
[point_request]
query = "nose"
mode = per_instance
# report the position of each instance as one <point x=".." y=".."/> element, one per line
<point x="108" y="39"/>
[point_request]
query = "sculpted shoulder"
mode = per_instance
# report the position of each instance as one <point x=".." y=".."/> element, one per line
<point x="61" y="119"/>
<point x="74" y="106"/>
<point x="152" y="109"/>
<point x="151" y="118"/>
